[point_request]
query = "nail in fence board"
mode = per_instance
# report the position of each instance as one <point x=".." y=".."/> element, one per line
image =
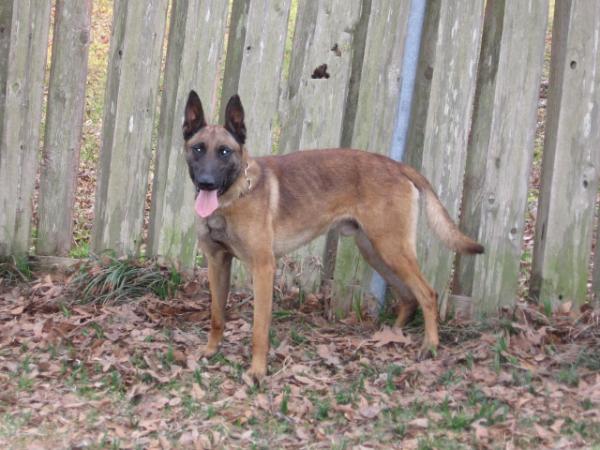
<point x="571" y="156"/>
<point x="192" y="63"/>
<point x="501" y="149"/>
<point x="452" y="68"/>
<point x="130" y="104"/>
<point x="316" y="99"/>
<point x="376" y="111"/>
<point x="64" y="121"/>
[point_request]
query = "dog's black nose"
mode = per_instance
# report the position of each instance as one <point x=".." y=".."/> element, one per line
<point x="206" y="182"/>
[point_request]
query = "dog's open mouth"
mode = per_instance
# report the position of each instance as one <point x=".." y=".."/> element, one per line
<point x="206" y="202"/>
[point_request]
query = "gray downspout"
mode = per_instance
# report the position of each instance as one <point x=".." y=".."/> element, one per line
<point x="410" y="61"/>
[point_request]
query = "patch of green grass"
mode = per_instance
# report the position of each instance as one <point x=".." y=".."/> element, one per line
<point x="283" y="314"/>
<point x="24" y="383"/>
<point x="449" y="377"/>
<point x="190" y="406"/>
<point x="589" y="358"/>
<point x="322" y="409"/>
<point x="15" y="269"/>
<point x="210" y="412"/>
<point x="296" y="338"/>
<point x="387" y="314"/>
<point x="393" y="370"/>
<point x="197" y="375"/>
<point x="522" y="378"/>
<point x="274" y="340"/>
<point x="547" y="307"/>
<point x="587" y="404"/>
<point x="344" y="396"/>
<point x="585" y="428"/>
<point x="568" y="375"/>
<point x="438" y="443"/>
<point x="81" y="250"/>
<point x="11" y="424"/>
<point x="114" y="382"/>
<point x="499" y="351"/>
<point x="167" y="358"/>
<point x="283" y="407"/>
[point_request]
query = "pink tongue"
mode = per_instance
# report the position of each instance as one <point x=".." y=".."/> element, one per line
<point x="206" y="203"/>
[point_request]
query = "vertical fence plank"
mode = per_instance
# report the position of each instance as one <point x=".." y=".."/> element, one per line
<point x="373" y="128"/>
<point x="192" y="63"/>
<point x="132" y="86"/>
<point x="315" y="107"/>
<point x="235" y="50"/>
<point x="453" y="73"/>
<point x="596" y="268"/>
<point x="501" y="149"/>
<point x="571" y="157"/>
<point x="23" y="51"/>
<point x="64" y="120"/>
<point x="261" y="33"/>
<point x="255" y="51"/>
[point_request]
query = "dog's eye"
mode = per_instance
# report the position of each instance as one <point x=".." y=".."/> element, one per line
<point x="225" y="152"/>
<point x="199" y="149"/>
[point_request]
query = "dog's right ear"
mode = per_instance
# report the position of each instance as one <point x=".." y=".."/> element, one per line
<point x="194" y="116"/>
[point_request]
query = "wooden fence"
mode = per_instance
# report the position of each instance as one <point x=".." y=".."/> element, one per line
<point x="472" y="128"/>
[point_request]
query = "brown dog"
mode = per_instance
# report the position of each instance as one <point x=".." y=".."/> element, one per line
<point x="259" y="209"/>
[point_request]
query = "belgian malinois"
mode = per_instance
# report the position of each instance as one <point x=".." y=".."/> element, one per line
<point x="258" y="209"/>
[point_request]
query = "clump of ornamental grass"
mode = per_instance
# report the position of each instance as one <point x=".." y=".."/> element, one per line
<point x="107" y="279"/>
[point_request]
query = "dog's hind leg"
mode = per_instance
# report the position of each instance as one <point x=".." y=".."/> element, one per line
<point x="219" y="276"/>
<point x="401" y="260"/>
<point x="406" y="301"/>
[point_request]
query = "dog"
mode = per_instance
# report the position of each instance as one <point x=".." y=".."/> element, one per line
<point x="257" y="209"/>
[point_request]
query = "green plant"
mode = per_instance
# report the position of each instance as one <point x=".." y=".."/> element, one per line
<point x="109" y="279"/>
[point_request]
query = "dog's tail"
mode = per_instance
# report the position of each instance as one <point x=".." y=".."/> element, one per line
<point x="438" y="217"/>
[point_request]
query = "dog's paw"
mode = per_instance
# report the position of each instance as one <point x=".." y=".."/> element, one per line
<point x="254" y="375"/>
<point x="209" y="350"/>
<point x="427" y="351"/>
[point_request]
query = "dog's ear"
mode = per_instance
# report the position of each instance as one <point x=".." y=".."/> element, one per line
<point x="194" y="116"/>
<point x="234" y="119"/>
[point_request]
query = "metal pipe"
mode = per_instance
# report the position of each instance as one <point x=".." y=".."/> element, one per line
<point x="410" y="60"/>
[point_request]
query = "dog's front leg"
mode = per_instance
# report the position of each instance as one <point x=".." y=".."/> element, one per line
<point x="263" y="271"/>
<point x="219" y="274"/>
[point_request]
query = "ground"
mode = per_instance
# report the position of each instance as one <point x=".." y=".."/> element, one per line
<point x="128" y="374"/>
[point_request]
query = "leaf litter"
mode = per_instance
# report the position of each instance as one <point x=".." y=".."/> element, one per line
<point x="128" y="373"/>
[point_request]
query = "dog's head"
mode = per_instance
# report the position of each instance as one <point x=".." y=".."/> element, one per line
<point x="214" y="153"/>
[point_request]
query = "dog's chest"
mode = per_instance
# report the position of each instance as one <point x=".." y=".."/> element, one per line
<point x="214" y="232"/>
<point x="213" y="228"/>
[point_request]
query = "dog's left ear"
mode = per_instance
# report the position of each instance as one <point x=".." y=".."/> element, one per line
<point x="194" y="116"/>
<point x="234" y="119"/>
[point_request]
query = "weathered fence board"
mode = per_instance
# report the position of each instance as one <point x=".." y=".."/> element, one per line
<point x="372" y="129"/>
<point x="132" y="86"/>
<point x="238" y="23"/>
<point x="596" y="269"/>
<point x="501" y="149"/>
<point x="453" y="72"/>
<point x="256" y="77"/>
<point x="314" y="105"/>
<point x="23" y="51"/>
<point x="571" y="156"/>
<point x="192" y="63"/>
<point x="255" y="52"/>
<point x="64" y="120"/>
